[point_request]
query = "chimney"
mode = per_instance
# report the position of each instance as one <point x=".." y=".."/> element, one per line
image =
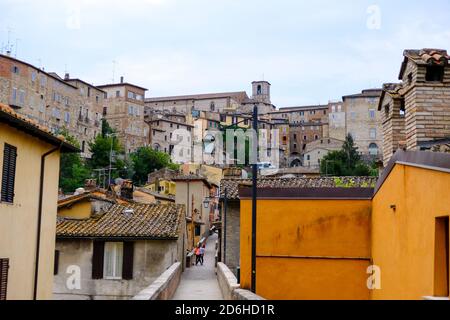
<point x="90" y="184"/>
<point x="67" y="76"/>
<point x="121" y="79"/>
<point x="126" y="190"/>
<point x="8" y="53"/>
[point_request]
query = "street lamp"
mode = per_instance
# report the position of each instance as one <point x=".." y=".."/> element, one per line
<point x="254" y="197"/>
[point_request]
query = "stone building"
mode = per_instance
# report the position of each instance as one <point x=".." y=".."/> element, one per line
<point x="91" y="113"/>
<point x="166" y="132"/>
<point x="119" y="249"/>
<point x="316" y="150"/>
<point x="52" y="101"/>
<point x="306" y="124"/>
<point x="364" y="123"/>
<point x="416" y="112"/>
<point x="300" y="135"/>
<point x="336" y="128"/>
<point x="303" y="114"/>
<point x="125" y="114"/>
<point x="215" y="102"/>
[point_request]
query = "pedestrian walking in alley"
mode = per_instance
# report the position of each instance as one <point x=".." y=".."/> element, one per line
<point x="197" y="252"/>
<point x="202" y="253"/>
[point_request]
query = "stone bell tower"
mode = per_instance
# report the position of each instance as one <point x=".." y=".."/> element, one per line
<point x="261" y="91"/>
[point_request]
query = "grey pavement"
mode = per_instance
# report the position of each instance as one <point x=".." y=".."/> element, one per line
<point x="200" y="282"/>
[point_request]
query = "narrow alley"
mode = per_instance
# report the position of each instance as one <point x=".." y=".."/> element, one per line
<point x="200" y="282"/>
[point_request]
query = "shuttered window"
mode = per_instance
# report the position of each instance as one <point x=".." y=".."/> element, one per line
<point x="97" y="260"/>
<point x="113" y="260"/>
<point x="128" y="254"/>
<point x="9" y="173"/>
<point x="4" y="266"/>
<point x="56" y="263"/>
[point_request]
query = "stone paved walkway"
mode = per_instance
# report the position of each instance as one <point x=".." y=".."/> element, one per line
<point x="200" y="282"/>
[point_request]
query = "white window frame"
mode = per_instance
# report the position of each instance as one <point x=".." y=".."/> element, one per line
<point x="114" y="251"/>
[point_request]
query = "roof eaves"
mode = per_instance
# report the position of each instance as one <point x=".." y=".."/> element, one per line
<point x="35" y="131"/>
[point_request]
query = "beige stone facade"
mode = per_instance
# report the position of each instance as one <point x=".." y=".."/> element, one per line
<point x="316" y="150"/>
<point x="215" y="102"/>
<point x="125" y="114"/>
<point x="166" y="132"/>
<point x="52" y="101"/>
<point x="363" y="122"/>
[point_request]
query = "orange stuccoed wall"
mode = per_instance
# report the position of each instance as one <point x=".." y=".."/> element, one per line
<point x="308" y="249"/>
<point x="321" y="249"/>
<point x="403" y="237"/>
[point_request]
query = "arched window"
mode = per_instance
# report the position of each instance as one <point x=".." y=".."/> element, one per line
<point x="373" y="149"/>
<point x="259" y="90"/>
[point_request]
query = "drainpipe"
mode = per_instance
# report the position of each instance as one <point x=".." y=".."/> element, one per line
<point x="41" y="195"/>
<point x="224" y="231"/>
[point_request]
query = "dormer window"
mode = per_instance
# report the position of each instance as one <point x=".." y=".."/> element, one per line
<point x="435" y="73"/>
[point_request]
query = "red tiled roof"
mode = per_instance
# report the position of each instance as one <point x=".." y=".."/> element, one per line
<point x="150" y="221"/>
<point x="232" y="185"/>
<point x="424" y="57"/>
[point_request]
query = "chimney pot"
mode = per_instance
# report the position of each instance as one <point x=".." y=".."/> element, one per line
<point x="121" y="79"/>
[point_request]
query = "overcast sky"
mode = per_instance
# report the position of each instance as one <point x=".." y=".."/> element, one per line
<point x="310" y="51"/>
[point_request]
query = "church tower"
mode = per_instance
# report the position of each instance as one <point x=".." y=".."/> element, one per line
<point x="261" y="91"/>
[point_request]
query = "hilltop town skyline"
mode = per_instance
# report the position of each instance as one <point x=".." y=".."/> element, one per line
<point x="302" y="51"/>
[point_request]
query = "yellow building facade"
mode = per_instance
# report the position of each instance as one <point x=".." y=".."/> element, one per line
<point x="410" y="231"/>
<point x="28" y="209"/>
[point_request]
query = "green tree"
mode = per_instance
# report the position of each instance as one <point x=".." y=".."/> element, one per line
<point x="106" y="128"/>
<point x="105" y="146"/>
<point x="146" y="160"/>
<point x="73" y="170"/>
<point x="346" y="162"/>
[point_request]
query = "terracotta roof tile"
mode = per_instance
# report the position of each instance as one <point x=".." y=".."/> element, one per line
<point x="24" y="123"/>
<point x="151" y="221"/>
<point x="232" y="185"/>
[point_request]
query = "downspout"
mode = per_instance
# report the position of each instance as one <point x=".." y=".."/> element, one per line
<point x="41" y="195"/>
